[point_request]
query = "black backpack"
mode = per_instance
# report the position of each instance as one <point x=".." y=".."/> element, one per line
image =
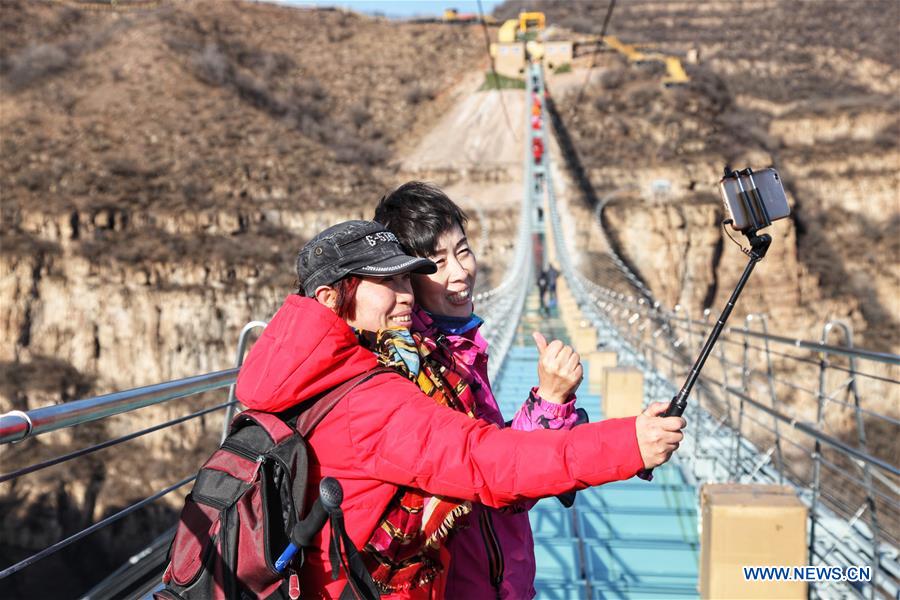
<point x="248" y="504"/>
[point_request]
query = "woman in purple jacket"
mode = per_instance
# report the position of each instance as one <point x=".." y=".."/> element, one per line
<point x="494" y="556"/>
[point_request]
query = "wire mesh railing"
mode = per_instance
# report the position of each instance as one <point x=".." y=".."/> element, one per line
<point x="19" y="426"/>
<point x="775" y="409"/>
<point x="829" y="460"/>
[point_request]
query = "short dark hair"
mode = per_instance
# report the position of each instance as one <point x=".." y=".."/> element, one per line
<point x="418" y="213"/>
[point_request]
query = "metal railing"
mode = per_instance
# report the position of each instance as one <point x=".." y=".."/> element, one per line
<point x="854" y="507"/>
<point x="16" y="426"/>
<point x="835" y="471"/>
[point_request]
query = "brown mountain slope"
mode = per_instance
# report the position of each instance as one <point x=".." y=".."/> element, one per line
<point x="160" y="165"/>
<point x="193" y="146"/>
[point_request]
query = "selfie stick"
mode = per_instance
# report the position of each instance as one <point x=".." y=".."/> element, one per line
<point x="330" y="497"/>
<point x="759" y="245"/>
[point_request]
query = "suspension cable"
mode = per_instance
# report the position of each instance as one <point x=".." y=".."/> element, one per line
<point x="587" y="78"/>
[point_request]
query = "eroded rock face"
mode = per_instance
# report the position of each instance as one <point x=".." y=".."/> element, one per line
<point x="162" y="166"/>
<point x="133" y="324"/>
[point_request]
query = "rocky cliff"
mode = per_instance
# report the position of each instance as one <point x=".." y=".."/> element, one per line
<point x="162" y="166"/>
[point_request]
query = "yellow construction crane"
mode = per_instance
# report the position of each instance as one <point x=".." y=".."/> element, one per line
<point x="675" y="73"/>
<point x="507" y="32"/>
<point x="527" y="27"/>
<point x="531" y="22"/>
<point x="452" y="15"/>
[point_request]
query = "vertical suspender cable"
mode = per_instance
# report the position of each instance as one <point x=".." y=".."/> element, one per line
<point x="587" y="77"/>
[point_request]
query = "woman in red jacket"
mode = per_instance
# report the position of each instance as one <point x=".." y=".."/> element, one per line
<point x="387" y="436"/>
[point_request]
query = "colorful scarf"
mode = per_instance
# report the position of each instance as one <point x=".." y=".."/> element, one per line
<point x="403" y="552"/>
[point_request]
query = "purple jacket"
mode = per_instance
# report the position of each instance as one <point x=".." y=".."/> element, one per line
<point x="496" y="548"/>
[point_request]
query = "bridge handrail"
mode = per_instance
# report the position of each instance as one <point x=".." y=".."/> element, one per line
<point x="637" y="309"/>
<point x="18" y="425"/>
<point x="644" y="308"/>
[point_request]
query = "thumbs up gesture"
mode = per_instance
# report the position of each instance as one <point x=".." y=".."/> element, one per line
<point x="559" y="369"/>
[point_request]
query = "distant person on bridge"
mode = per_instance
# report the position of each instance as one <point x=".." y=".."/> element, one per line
<point x="537" y="149"/>
<point x="552" y="276"/>
<point x="542" y="283"/>
<point x="412" y="463"/>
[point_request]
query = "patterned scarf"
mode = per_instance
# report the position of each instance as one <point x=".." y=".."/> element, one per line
<point x="403" y="552"/>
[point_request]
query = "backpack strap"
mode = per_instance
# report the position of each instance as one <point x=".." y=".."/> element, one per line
<point x="360" y="585"/>
<point x="274" y="423"/>
<point x="311" y="417"/>
<point x="277" y="429"/>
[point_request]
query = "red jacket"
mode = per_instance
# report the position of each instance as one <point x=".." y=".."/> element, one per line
<point x="386" y="434"/>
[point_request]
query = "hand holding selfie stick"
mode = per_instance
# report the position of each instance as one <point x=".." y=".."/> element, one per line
<point x="755" y="209"/>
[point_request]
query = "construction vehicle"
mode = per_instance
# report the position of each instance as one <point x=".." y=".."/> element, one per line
<point x="507" y="32"/>
<point x="452" y="15"/>
<point x="531" y="23"/>
<point x="675" y="73"/>
<point x="527" y="27"/>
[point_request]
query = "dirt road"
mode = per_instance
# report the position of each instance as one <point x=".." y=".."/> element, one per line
<point x="477" y="159"/>
<point x="474" y="132"/>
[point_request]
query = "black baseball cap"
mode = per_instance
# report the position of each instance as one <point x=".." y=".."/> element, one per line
<point x="362" y="248"/>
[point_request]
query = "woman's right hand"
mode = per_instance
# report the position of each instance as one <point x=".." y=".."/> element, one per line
<point x="658" y="437"/>
<point x="559" y="370"/>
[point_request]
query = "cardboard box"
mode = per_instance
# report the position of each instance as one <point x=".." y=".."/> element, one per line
<point x="750" y="525"/>
<point x="569" y="310"/>
<point x="623" y="392"/>
<point x="598" y="361"/>
<point x="573" y="324"/>
<point x="566" y="303"/>
<point x="584" y="339"/>
<point x="571" y="317"/>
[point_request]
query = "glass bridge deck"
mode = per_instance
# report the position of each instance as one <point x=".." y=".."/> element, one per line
<point x="631" y="539"/>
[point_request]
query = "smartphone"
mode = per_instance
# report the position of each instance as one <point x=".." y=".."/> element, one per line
<point x="754" y="199"/>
